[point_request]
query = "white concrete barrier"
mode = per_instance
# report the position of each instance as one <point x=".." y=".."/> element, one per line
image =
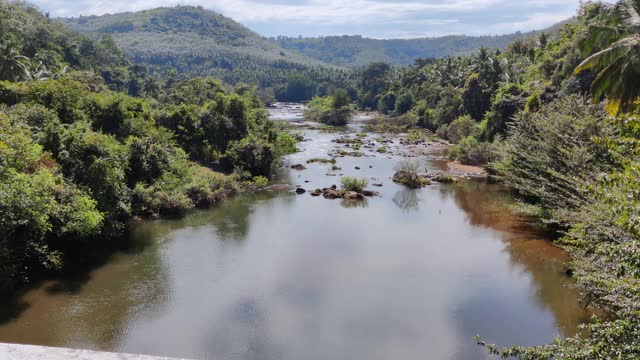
<point x="31" y="352"/>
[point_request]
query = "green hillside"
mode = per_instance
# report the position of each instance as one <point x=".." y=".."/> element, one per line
<point x="360" y="51"/>
<point x="195" y="41"/>
<point x="202" y="42"/>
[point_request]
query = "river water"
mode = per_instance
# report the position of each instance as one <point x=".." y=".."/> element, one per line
<point x="411" y="274"/>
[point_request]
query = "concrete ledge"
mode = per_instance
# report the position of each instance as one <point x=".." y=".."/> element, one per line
<point x="29" y="352"/>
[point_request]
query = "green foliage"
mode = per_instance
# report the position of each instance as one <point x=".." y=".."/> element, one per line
<point x="403" y="104"/>
<point x="250" y="154"/>
<point x="613" y="43"/>
<point x="387" y="103"/>
<point x="334" y="110"/>
<point x="354" y="184"/>
<point x="476" y="98"/>
<point x="459" y="129"/>
<point x="321" y="161"/>
<point x="38" y="207"/>
<point x="549" y="153"/>
<point x="357" y="51"/>
<point x="374" y="81"/>
<point x="407" y="173"/>
<point x="196" y="42"/>
<point x="77" y="160"/>
<point x="470" y="151"/>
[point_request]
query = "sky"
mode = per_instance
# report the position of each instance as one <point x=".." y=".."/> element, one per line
<point x="369" y="18"/>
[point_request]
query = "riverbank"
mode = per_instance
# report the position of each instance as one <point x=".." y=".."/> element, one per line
<point x="275" y="275"/>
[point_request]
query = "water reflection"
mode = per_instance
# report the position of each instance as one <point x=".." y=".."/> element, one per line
<point x="529" y="252"/>
<point x="354" y="204"/>
<point x="407" y="199"/>
<point x="280" y="276"/>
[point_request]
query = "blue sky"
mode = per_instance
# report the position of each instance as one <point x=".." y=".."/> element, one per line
<point x="370" y="18"/>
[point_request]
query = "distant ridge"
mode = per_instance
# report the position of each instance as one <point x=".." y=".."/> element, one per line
<point x="198" y="41"/>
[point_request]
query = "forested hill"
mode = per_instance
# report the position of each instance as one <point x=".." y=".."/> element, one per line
<point x="181" y="29"/>
<point x="352" y="51"/>
<point x="203" y="42"/>
<point x="197" y="42"/>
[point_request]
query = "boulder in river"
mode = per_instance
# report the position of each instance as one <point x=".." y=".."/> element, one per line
<point x="369" y="193"/>
<point x="316" y="192"/>
<point x="445" y="179"/>
<point x="411" y="180"/>
<point x="352" y="195"/>
<point x="298" y="167"/>
<point x="331" y="194"/>
<point x="279" y="187"/>
<point x="300" y="191"/>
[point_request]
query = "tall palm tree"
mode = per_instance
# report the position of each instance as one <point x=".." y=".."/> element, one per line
<point x="618" y="65"/>
<point x="13" y="66"/>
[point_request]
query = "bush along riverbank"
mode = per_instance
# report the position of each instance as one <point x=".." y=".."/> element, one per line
<point x="89" y="142"/>
<point x="77" y="164"/>
<point x="556" y="118"/>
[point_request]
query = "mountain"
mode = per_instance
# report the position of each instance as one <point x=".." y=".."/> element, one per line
<point x="350" y="51"/>
<point x="197" y="41"/>
<point x="180" y="30"/>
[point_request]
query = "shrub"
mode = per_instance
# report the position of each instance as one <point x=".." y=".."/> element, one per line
<point x="250" y="154"/>
<point x="354" y="184"/>
<point x="331" y="110"/>
<point x="321" y="161"/>
<point x="470" y="151"/>
<point x="460" y="128"/>
<point x="550" y="152"/>
<point x="404" y="103"/>
<point x="407" y="173"/>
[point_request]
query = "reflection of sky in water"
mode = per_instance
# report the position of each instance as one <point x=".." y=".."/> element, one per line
<point x="411" y="274"/>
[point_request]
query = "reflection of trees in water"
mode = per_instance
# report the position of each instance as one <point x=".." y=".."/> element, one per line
<point x="484" y="204"/>
<point x="231" y="219"/>
<point x="407" y="199"/>
<point x="96" y="306"/>
<point x="488" y="205"/>
<point x="354" y="204"/>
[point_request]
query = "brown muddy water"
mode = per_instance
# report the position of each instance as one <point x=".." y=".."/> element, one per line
<point x="412" y="274"/>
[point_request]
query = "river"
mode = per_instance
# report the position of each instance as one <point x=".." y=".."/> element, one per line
<point x="411" y="274"/>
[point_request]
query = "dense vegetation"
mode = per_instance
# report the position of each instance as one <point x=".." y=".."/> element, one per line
<point x="192" y="41"/>
<point x="89" y="140"/>
<point x="357" y="51"/>
<point x="335" y="109"/>
<point x="79" y="160"/>
<point x="555" y="117"/>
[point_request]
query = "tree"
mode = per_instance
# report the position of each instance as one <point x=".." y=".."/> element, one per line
<point x="617" y="64"/>
<point x="299" y="88"/>
<point x="403" y="104"/>
<point x="374" y="81"/>
<point x="13" y="65"/>
<point x="341" y="99"/>
<point x="476" y="98"/>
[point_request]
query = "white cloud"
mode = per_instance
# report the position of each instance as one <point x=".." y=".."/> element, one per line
<point x="374" y="18"/>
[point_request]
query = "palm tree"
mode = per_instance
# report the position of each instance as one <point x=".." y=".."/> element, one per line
<point x="618" y="65"/>
<point x="13" y="65"/>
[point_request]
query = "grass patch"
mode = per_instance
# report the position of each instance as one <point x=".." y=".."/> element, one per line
<point x="354" y="184"/>
<point x="321" y="161"/>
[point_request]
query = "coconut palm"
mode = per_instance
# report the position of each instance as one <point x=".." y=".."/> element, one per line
<point x="13" y="65"/>
<point x="618" y="65"/>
